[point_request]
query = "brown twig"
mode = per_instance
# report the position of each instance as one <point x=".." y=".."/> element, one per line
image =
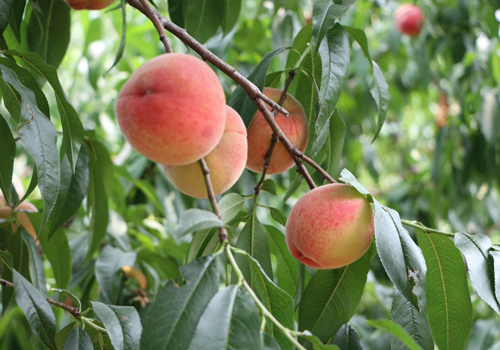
<point x="274" y="141"/>
<point x="211" y="196"/>
<point x="317" y="167"/>
<point x="72" y="310"/>
<point x="150" y="13"/>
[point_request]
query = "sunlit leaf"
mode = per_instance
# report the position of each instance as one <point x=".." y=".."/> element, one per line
<point x="195" y="220"/>
<point x="397" y="331"/>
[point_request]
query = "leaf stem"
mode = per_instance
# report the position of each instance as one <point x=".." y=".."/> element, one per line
<point x="88" y="322"/>
<point x="418" y="225"/>
<point x="288" y="333"/>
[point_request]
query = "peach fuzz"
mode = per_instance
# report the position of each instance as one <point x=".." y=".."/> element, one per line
<point x="331" y="226"/>
<point x="226" y="162"/>
<point x="409" y="19"/>
<point x="89" y="4"/>
<point x="6" y="212"/>
<point x="172" y="110"/>
<point x="260" y="134"/>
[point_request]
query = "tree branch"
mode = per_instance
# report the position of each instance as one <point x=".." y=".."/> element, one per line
<point x="211" y="196"/>
<point x="150" y="13"/>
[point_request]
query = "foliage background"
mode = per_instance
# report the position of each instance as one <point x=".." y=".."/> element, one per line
<point x="435" y="159"/>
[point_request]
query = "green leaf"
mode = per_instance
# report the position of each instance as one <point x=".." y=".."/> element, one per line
<point x="62" y="335"/>
<point x="172" y="319"/>
<point x="70" y="295"/>
<point x="347" y="177"/>
<point x="275" y="299"/>
<point x="97" y="197"/>
<point x="230" y="205"/>
<point x="360" y="36"/>
<point x="199" y="243"/>
<point x="415" y="323"/>
<point x="122" y="323"/>
<point x="5" y="13"/>
<point x="17" y="17"/>
<point x="316" y="343"/>
<point x="7" y="258"/>
<point x="380" y="93"/>
<point x="449" y="306"/>
<point x="202" y="18"/>
<point x="37" y="271"/>
<point x="175" y="12"/>
<point x="71" y="124"/>
<point x="195" y="220"/>
<point x="39" y="137"/>
<point x="8" y="147"/>
<point x="332" y="296"/>
<point x="100" y="340"/>
<point x="121" y="48"/>
<point x="397" y="331"/>
<point x="36" y="309"/>
<point x="401" y="257"/>
<point x="78" y="339"/>
<point x="33" y="184"/>
<point x="347" y="338"/>
<point x="269" y="186"/>
<point x="239" y="100"/>
<point x="287" y="265"/>
<point x="496" y="265"/>
<point x="277" y="215"/>
<point x="232" y="10"/>
<point x="334" y="52"/>
<point x="336" y="137"/>
<point x="73" y="190"/>
<point x="110" y="261"/>
<point x="324" y="15"/>
<point x="475" y="248"/>
<point x="294" y="185"/>
<point x="253" y="240"/>
<point x="268" y="342"/>
<point x="49" y="30"/>
<point x="230" y="321"/>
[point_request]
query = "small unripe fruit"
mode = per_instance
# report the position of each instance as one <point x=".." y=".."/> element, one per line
<point x="6" y="212"/>
<point x="330" y="226"/>
<point x="294" y="127"/>
<point x="89" y="4"/>
<point x="172" y="110"/>
<point x="409" y="19"/>
<point x="226" y="162"/>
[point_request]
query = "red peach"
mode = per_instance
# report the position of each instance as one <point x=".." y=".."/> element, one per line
<point x="89" y="4"/>
<point x="226" y="162"/>
<point x="330" y="226"/>
<point x="294" y="127"/>
<point x="172" y="110"/>
<point x="409" y="19"/>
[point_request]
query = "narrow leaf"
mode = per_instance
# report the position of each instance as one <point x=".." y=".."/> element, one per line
<point x="449" y="306"/>
<point x="230" y="321"/>
<point x="337" y="131"/>
<point x="195" y="220"/>
<point x="8" y="147"/>
<point x="37" y="271"/>
<point x="269" y="186"/>
<point x="71" y="124"/>
<point x="230" y="205"/>
<point x="475" y="248"/>
<point x="36" y="309"/>
<point x="396" y="331"/>
<point x="347" y="338"/>
<point x="122" y="324"/>
<point x="380" y="93"/>
<point x="49" y="30"/>
<point x="5" y="13"/>
<point x="496" y="263"/>
<point x="360" y="36"/>
<point x="199" y="243"/>
<point x="17" y="17"/>
<point x="334" y="52"/>
<point x="172" y="320"/>
<point x="240" y="101"/>
<point x="277" y="215"/>
<point x="324" y="15"/>
<point x="121" y="48"/>
<point x="78" y="339"/>
<point x="332" y="296"/>
<point x="232" y="10"/>
<point x="39" y="137"/>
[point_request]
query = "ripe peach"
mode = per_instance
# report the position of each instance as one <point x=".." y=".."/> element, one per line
<point x="409" y="19"/>
<point x="6" y="211"/>
<point x="172" y="110"/>
<point x="89" y="4"/>
<point x="294" y="126"/>
<point x="226" y="162"/>
<point x="330" y="227"/>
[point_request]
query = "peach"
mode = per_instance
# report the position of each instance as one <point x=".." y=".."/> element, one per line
<point x="409" y="19"/>
<point x="89" y="4"/>
<point x="172" y="110"/>
<point x="294" y="127"/>
<point x="226" y="162"/>
<point x="6" y="211"/>
<point x="330" y="227"/>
